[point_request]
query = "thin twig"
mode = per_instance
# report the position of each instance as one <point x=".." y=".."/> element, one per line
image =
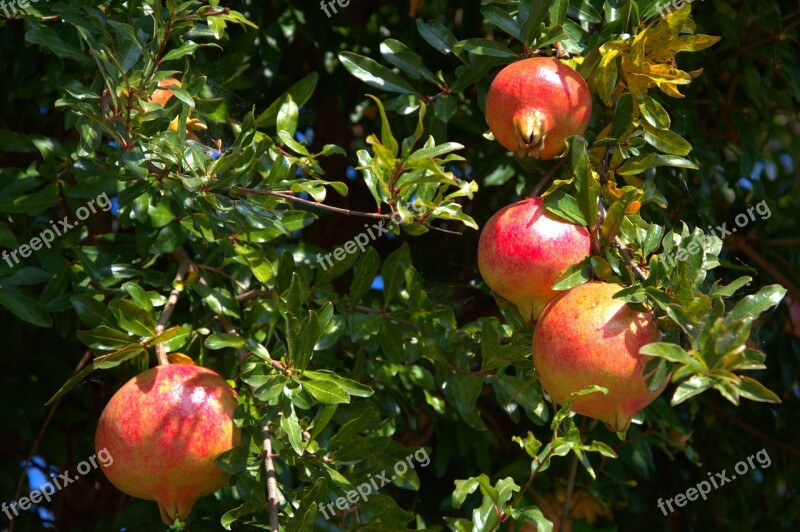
<point x="290" y="197"/>
<point x="175" y="293"/>
<point x="87" y="357"/>
<point x="573" y="473"/>
<point x="627" y="254"/>
<point x="370" y="310"/>
<point x="546" y="177"/>
<point x="565" y="510"/>
<point x="254" y="294"/>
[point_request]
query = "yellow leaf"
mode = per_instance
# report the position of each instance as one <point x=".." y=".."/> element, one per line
<point x="605" y="75"/>
<point x="414" y="7"/>
<point x="684" y="43"/>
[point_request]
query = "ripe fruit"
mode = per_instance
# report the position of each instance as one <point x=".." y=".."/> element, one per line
<point x="585" y="337"/>
<point x="522" y="252"/>
<point x="162" y="96"/>
<point x="164" y="429"/>
<point x="535" y="105"/>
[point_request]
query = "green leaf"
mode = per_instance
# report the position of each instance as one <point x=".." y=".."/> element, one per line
<point x="116" y="358"/>
<point x="558" y="12"/>
<point x="438" y="36"/>
<point x="374" y="74"/>
<point x="751" y="307"/>
<point x="133" y="318"/>
<point x="486" y="47"/>
<point x="755" y="391"/>
<point x="496" y="16"/>
<point x="326" y="392"/>
<point x="104" y="337"/>
<point x="666" y="141"/>
<point x="259" y="265"/>
<point x="73" y="381"/>
<point x="48" y="38"/>
<point x="729" y="290"/>
<point x="406" y="60"/>
<point x="26" y="276"/>
<point x="667" y="351"/>
<point x="641" y="163"/>
<point x="364" y="273"/>
<point x="24" y="307"/>
<point x="531" y="16"/>
<point x="300" y="93"/>
<point x="654" y="113"/>
<point x="91" y="311"/>
<point x="387" y="139"/>
<point x="575" y="275"/>
<point x="287" y="116"/>
<point x="586" y="185"/>
<point x="697" y="384"/>
<point x="348" y="385"/>
<point x="623" y="117"/>
<point x="565" y="207"/>
<point x="291" y="426"/>
<point x="223" y="340"/>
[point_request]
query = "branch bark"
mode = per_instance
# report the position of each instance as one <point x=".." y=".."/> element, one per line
<point x="175" y="293"/>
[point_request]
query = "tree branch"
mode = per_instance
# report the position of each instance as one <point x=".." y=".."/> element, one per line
<point x="289" y="196"/>
<point x="627" y="254"/>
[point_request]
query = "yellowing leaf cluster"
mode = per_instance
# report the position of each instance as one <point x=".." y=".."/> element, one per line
<point x="648" y="59"/>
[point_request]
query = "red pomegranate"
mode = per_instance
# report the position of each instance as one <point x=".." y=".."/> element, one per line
<point x="522" y="252"/>
<point x="535" y="105"/>
<point x="586" y="337"/>
<point x="164" y="429"/>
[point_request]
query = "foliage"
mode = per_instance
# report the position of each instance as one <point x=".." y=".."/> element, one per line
<point x="219" y="214"/>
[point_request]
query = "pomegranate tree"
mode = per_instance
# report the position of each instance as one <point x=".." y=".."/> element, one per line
<point x="535" y="105"/>
<point x="587" y="337"/>
<point x="165" y="428"/>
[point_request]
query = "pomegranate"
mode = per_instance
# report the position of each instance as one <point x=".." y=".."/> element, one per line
<point x="535" y="105"/>
<point x="164" y="429"/>
<point x="586" y="337"/>
<point x="522" y="252"/>
<point x="162" y="95"/>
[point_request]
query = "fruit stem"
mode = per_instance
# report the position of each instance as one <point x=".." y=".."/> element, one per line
<point x="177" y="286"/>
<point x="546" y="178"/>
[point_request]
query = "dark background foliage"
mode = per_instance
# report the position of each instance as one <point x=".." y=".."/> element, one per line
<point x="742" y="118"/>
